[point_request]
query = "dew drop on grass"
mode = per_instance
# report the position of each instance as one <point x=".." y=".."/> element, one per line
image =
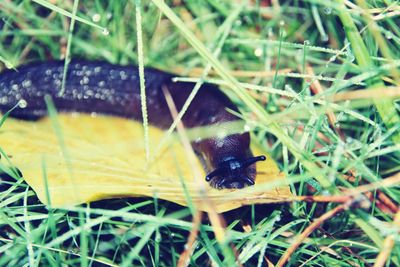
<point x="351" y="57"/>
<point x="158" y="238"/>
<point x="258" y="52"/>
<point x="221" y="134"/>
<point x="325" y="193"/>
<point x="389" y="35"/>
<point x="105" y="31"/>
<point x="288" y="87"/>
<point x="270" y="32"/>
<point x="220" y="143"/>
<point x="9" y="65"/>
<point x="325" y="38"/>
<point x="96" y="17"/>
<point x="22" y="103"/>
<point x="327" y="10"/>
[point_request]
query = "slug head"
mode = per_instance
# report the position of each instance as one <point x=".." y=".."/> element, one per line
<point x="234" y="173"/>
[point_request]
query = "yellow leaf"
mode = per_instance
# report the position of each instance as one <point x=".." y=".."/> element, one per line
<point x="104" y="157"/>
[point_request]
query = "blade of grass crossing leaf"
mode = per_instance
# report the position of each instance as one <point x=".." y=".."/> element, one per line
<point x="141" y="77"/>
<point x="45" y="180"/>
<point x="10" y="169"/>
<point x="7" y="114"/>
<point x="67" y="158"/>
<point x="58" y="132"/>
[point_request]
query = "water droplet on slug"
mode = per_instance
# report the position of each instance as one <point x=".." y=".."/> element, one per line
<point x="220" y="143"/>
<point x="57" y="82"/>
<point x="97" y="69"/>
<point x="3" y="100"/>
<point x="26" y="83"/>
<point x="14" y="87"/>
<point x="123" y="75"/>
<point x="85" y="80"/>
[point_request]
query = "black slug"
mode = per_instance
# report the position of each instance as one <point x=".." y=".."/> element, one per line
<point x="114" y="90"/>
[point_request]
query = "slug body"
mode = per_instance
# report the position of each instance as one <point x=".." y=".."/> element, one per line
<point x="114" y="90"/>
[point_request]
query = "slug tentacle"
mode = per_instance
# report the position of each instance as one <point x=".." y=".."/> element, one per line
<point x="252" y="160"/>
<point x="99" y="87"/>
